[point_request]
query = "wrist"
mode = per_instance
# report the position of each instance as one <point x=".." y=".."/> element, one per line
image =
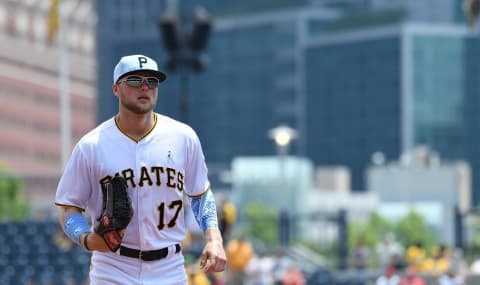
<point x="85" y="241"/>
<point x="94" y="241"/>
<point x="213" y="235"/>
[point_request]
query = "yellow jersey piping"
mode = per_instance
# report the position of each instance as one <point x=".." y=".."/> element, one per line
<point x="201" y="194"/>
<point x="65" y="205"/>
<point x="142" y="137"/>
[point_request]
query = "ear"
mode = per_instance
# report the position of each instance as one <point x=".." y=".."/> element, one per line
<point x="116" y="89"/>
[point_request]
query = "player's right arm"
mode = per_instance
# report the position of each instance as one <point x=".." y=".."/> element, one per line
<point x="71" y="220"/>
<point x="71" y="198"/>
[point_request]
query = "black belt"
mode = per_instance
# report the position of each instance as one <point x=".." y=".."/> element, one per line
<point x="149" y="255"/>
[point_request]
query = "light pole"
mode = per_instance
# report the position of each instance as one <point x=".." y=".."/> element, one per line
<point x="185" y="47"/>
<point x="283" y="136"/>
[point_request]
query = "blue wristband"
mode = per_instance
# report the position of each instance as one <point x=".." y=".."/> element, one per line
<point x="74" y="226"/>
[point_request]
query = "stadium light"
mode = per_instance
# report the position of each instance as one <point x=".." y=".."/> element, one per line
<point x="282" y="135"/>
<point x="170" y="31"/>
<point x="201" y="30"/>
<point x="185" y="47"/>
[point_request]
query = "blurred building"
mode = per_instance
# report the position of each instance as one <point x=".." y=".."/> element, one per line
<point x="257" y="72"/>
<point x="332" y="179"/>
<point x="432" y="11"/>
<point x="312" y="197"/>
<point x="324" y="207"/>
<point x="426" y="10"/>
<point x="30" y="145"/>
<point x="277" y="183"/>
<point x="351" y="77"/>
<point x="389" y="88"/>
<point x="420" y="180"/>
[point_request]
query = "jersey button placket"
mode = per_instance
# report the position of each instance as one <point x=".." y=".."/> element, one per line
<point x="141" y="195"/>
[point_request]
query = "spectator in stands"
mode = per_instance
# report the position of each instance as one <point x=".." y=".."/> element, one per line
<point x="195" y="275"/>
<point x="390" y="277"/>
<point x="259" y="270"/>
<point x="281" y="266"/>
<point x="293" y="276"/>
<point x="388" y="251"/>
<point x="359" y="258"/>
<point x="227" y="216"/>
<point x="450" y="277"/>
<point x="439" y="263"/>
<point x="416" y="255"/>
<point x="475" y="267"/>
<point x="360" y="255"/>
<point x="239" y="252"/>
<point x="411" y="277"/>
<point x="458" y="263"/>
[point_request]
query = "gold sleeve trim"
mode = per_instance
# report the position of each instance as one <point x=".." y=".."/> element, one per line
<point x="201" y="194"/>
<point x="65" y="205"/>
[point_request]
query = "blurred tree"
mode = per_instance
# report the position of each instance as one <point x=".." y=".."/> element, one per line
<point x="475" y="226"/>
<point x="261" y="223"/>
<point x="370" y="231"/>
<point x="472" y="249"/>
<point x="12" y="205"/>
<point x="412" y="228"/>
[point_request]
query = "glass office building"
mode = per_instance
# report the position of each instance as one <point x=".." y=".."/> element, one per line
<point x="353" y="86"/>
<point x="389" y="89"/>
<point x="254" y="83"/>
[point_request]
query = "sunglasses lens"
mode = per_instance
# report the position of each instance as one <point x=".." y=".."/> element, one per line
<point x="152" y="82"/>
<point x="134" y="81"/>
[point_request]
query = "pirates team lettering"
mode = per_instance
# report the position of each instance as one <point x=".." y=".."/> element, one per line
<point x="149" y="176"/>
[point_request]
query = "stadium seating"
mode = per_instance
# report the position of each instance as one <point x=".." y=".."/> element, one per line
<point x="30" y="254"/>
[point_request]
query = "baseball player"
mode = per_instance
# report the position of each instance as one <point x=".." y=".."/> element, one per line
<point x="130" y="174"/>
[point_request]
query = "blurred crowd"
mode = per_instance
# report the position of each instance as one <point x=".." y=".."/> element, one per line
<point x="249" y="265"/>
<point x="258" y="266"/>
<point x="413" y="264"/>
<point x="388" y="262"/>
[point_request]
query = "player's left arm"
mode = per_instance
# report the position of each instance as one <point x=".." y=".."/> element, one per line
<point x="213" y="258"/>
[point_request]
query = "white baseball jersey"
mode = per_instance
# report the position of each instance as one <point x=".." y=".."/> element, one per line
<point x="158" y="169"/>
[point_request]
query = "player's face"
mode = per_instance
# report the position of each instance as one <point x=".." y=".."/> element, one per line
<point x="137" y="92"/>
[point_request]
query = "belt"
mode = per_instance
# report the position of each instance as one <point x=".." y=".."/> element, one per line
<point x="149" y="255"/>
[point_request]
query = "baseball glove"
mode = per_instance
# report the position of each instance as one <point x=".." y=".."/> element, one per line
<point x="116" y="213"/>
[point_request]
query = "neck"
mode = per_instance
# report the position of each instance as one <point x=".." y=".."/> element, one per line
<point x="135" y="125"/>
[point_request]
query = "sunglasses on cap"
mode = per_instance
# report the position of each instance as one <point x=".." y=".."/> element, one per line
<point x="137" y="81"/>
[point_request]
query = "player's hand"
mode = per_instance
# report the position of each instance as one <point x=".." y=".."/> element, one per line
<point x="213" y="258"/>
<point x="96" y="242"/>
